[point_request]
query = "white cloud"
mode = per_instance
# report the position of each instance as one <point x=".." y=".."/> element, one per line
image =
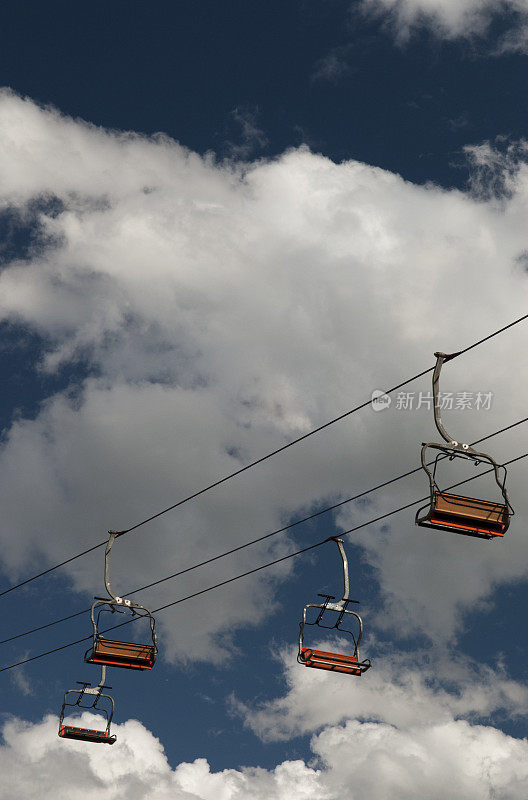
<point x="456" y="18"/>
<point x="399" y="732"/>
<point x="494" y="167"/>
<point x="404" y="690"/>
<point x="253" y="137"/>
<point x="332" y="66"/>
<point x="225" y="309"/>
<point x="466" y="762"/>
<point x="35" y="762"/>
<point x="425" y="746"/>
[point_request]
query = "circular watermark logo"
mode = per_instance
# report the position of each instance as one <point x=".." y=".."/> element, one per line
<point x="380" y="401"/>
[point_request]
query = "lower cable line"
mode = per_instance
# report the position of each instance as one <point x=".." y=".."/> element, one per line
<point x="254" y="541"/>
<point x="51" y="569"/>
<point x="281" y="449"/>
<point x="257" y="569"/>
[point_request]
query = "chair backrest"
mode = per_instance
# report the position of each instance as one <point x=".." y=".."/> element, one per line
<point x="129" y="655"/>
<point x="473" y="514"/>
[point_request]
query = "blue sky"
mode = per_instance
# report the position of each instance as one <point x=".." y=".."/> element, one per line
<point x="220" y="229"/>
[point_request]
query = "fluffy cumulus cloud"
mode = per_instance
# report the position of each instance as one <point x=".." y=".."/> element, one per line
<point x="398" y="733"/>
<point x="401" y="739"/>
<point x="35" y="762"/>
<point x="404" y="692"/>
<point x="219" y="310"/>
<point x="457" y="18"/>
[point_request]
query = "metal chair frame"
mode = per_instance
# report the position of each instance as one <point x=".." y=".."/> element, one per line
<point x="128" y="655"/>
<point x="455" y="449"/>
<point x="89" y="734"/>
<point x="322" y="659"/>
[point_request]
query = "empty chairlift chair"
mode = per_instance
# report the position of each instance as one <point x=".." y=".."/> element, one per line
<point x="446" y="511"/>
<point x="324" y="659"/>
<point x="101" y="702"/>
<point x="114" y="652"/>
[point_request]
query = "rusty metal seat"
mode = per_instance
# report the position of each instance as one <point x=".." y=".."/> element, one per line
<point x="129" y="655"/>
<point x="334" y="616"/>
<point x="88" y="697"/>
<point x="471" y="516"/>
<point x="85" y="734"/>
<point x="467" y="515"/>
<point x="335" y="662"/>
<point x="112" y="652"/>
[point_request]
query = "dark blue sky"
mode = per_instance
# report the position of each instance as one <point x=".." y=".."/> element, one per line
<point x="185" y="68"/>
<point x="205" y="73"/>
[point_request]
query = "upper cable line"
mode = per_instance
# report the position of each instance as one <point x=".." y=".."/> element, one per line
<point x="260" y="460"/>
<point x="259" y="538"/>
<point x="316" y="430"/>
<point x="259" y="568"/>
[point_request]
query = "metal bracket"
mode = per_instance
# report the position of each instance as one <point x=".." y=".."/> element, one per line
<point x="95" y="690"/>
<point x="101" y="685"/>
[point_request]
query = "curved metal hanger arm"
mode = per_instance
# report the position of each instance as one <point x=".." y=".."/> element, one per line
<point x="114" y="599"/>
<point x="346" y="587"/>
<point x="119" y="600"/>
<point x="441" y="358"/>
<point x="345" y="600"/>
<point x="101" y="685"/>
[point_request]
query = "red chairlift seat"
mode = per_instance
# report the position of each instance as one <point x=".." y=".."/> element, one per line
<point x="335" y="662"/>
<point x="112" y="652"/>
<point x="86" y="734"/>
<point x="129" y="655"/>
<point x="466" y="515"/>
<point x="99" y="701"/>
<point x="471" y="516"/>
<point x="324" y="659"/>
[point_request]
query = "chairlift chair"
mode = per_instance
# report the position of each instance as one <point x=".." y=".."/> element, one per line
<point x="89" y="734"/>
<point x="112" y="652"/>
<point x="324" y="659"/>
<point x="471" y="516"/>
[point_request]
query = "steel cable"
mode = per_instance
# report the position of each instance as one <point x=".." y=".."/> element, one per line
<point x="256" y="569"/>
<point x="258" y="539"/>
<point x="260" y="460"/>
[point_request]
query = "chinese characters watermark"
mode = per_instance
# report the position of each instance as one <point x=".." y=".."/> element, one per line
<point x="452" y="401"/>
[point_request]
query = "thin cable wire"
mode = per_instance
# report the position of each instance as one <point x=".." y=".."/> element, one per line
<point x="257" y="569"/>
<point x="317" y="430"/>
<point x="260" y="538"/>
<point x="46" y="625"/>
<point x="263" y="458"/>
<point x="50" y="569"/>
<point x="491" y="335"/>
<point x="273" y="453"/>
<point x="324" y="541"/>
